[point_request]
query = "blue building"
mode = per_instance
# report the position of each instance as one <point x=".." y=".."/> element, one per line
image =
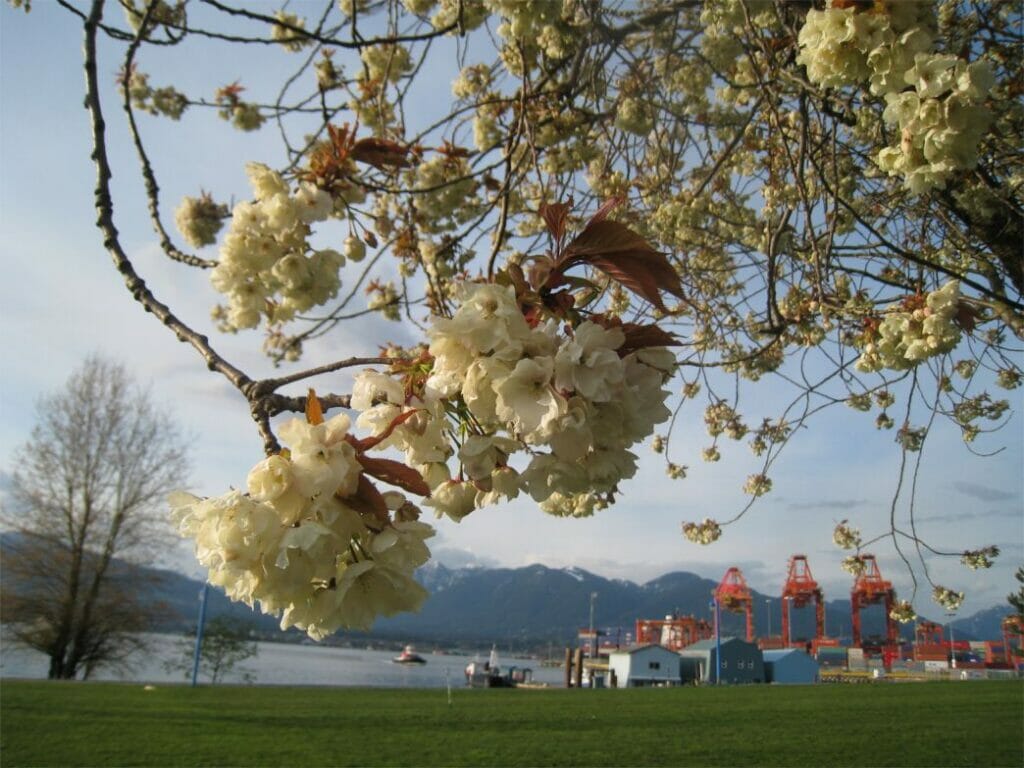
<point x="790" y="665"/>
<point x="742" y="662"/>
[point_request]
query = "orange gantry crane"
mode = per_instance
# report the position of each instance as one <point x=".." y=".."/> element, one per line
<point x="1013" y="639"/>
<point x="929" y="644"/>
<point x="800" y="588"/>
<point x="672" y="632"/>
<point x="733" y="594"/>
<point x="928" y="633"/>
<point x="869" y="588"/>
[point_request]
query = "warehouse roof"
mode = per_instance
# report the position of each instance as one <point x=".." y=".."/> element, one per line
<point x="635" y="648"/>
<point x="778" y="653"/>
<point x="706" y="645"/>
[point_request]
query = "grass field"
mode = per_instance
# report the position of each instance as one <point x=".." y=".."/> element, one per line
<point x="109" y="724"/>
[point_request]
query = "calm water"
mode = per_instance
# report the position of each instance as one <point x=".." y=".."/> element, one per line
<point x="287" y="664"/>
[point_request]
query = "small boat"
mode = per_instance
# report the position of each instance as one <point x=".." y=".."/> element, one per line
<point x="488" y="674"/>
<point x="409" y="656"/>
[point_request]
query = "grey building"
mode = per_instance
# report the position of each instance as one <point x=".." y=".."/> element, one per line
<point x="790" y="665"/>
<point x="742" y="662"/>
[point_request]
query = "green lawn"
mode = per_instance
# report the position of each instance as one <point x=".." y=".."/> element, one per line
<point x="909" y="724"/>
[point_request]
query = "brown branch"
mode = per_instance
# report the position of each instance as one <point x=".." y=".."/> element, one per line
<point x="149" y="178"/>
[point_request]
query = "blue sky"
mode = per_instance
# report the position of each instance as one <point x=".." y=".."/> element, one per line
<point x="62" y="299"/>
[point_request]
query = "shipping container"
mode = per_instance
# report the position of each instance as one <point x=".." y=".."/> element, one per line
<point x="832" y="656"/>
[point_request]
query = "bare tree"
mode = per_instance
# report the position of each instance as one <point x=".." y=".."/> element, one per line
<point x="86" y="502"/>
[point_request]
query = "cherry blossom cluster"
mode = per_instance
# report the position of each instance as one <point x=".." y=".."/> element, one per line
<point x="566" y="398"/>
<point x="940" y="117"/>
<point x="921" y="327"/>
<point x="853" y="564"/>
<point x="160" y="12"/>
<point x="947" y="598"/>
<point x="704" y="532"/>
<point x="284" y="32"/>
<point x="267" y="266"/>
<point x="757" y="485"/>
<point x="199" y="219"/>
<point x="979" y="558"/>
<point x="165" y="100"/>
<point x="903" y="612"/>
<point x="243" y="115"/>
<point x="940" y="122"/>
<point x="845" y="536"/>
<point x="299" y="545"/>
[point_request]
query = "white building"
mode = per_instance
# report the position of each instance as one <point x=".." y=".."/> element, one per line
<point x="643" y="665"/>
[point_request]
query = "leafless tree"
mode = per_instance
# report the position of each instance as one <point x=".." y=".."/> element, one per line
<point x="85" y="503"/>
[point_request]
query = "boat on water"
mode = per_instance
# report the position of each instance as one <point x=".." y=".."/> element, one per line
<point x="409" y="656"/>
<point x="488" y="674"/>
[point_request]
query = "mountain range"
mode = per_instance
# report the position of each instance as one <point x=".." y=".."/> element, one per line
<point x="529" y="608"/>
<point x="536" y="607"/>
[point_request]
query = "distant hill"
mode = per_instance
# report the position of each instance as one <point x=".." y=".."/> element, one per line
<point x="530" y="607"/>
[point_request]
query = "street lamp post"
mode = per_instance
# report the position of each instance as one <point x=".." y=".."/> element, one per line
<point x="593" y="637"/>
<point x="199" y="631"/>
<point x="788" y="600"/>
<point x="952" y="647"/>
<point x="714" y="605"/>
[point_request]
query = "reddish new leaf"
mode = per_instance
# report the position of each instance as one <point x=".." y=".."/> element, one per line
<point x="555" y="216"/>
<point x="314" y="411"/>
<point x="381" y="153"/>
<point x="626" y="257"/>
<point x="643" y="336"/>
<point x="967" y="317"/>
<point x="603" y="212"/>
<point x="368" y="500"/>
<point x="395" y="473"/>
<point x="367" y="443"/>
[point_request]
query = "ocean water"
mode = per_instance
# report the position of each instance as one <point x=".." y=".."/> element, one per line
<point x="287" y="664"/>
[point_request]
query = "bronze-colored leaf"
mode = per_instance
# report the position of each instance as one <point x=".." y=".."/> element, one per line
<point x="367" y="443"/>
<point x="626" y="257"/>
<point x="967" y="316"/>
<point x="603" y="212"/>
<point x="555" y="217"/>
<point x="643" y="336"/>
<point x="395" y="473"/>
<point x="367" y="500"/>
<point x="381" y="153"/>
<point x="314" y="411"/>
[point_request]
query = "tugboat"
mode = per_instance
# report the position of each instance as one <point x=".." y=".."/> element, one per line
<point x="409" y="656"/>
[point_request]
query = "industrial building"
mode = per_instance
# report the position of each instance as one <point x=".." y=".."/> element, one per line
<point x="643" y="665"/>
<point x="790" y="665"/>
<point x="742" y="662"/>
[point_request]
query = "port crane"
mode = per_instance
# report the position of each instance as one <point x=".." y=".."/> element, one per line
<point x="869" y="588"/>
<point x="673" y="632"/>
<point x="733" y="594"/>
<point x="800" y="589"/>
